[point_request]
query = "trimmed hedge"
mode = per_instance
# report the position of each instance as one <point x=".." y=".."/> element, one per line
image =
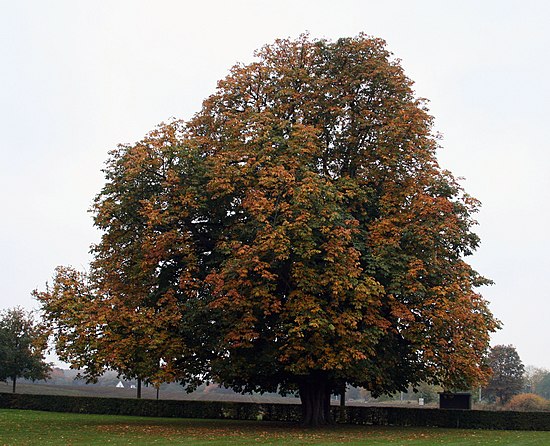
<point x="382" y="416"/>
<point x="465" y="419"/>
<point x="152" y="408"/>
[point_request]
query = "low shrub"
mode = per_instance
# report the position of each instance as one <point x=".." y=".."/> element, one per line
<point x="528" y="402"/>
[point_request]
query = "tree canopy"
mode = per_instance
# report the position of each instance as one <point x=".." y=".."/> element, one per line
<point x="507" y="377"/>
<point x="296" y="235"/>
<point x="22" y="346"/>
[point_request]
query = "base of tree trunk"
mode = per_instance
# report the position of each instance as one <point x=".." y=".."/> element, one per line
<point x="315" y="397"/>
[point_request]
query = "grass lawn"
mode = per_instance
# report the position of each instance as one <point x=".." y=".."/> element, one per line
<point x="18" y="428"/>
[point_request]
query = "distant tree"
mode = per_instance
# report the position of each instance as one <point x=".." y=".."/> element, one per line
<point x="429" y="392"/>
<point x="297" y="235"/>
<point x="22" y="346"/>
<point x="353" y="393"/>
<point x="508" y="370"/>
<point x="542" y="388"/>
<point x="533" y="377"/>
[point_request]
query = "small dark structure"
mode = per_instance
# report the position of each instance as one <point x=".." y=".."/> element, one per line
<point x="460" y="400"/>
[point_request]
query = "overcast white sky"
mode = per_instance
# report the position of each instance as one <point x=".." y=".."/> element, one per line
<point x="79" y="77"/>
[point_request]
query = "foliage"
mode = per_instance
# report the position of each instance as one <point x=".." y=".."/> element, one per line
<point x="528" y="402"/>
<point x="507" y="378"/>
<point x="94" y="333"/>
<point x="542" y="387"/>
<point x="22" y="346"/>
<point x="296" y="235"/>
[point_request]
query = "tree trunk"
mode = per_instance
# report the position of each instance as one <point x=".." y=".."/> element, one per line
<point x="13" y="379"/>
<point x="139" y="388"/>
<point x="315" y="396"/>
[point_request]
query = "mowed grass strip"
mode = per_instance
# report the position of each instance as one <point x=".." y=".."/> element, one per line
<point x="18" y="428"/>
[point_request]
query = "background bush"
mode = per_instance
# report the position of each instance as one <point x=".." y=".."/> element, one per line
<point x="528" y="402"/>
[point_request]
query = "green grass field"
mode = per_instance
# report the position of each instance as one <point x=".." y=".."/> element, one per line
<point x="18" y="428"/>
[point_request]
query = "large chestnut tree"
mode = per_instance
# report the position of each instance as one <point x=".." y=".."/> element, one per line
<point x="297" y="235"/>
